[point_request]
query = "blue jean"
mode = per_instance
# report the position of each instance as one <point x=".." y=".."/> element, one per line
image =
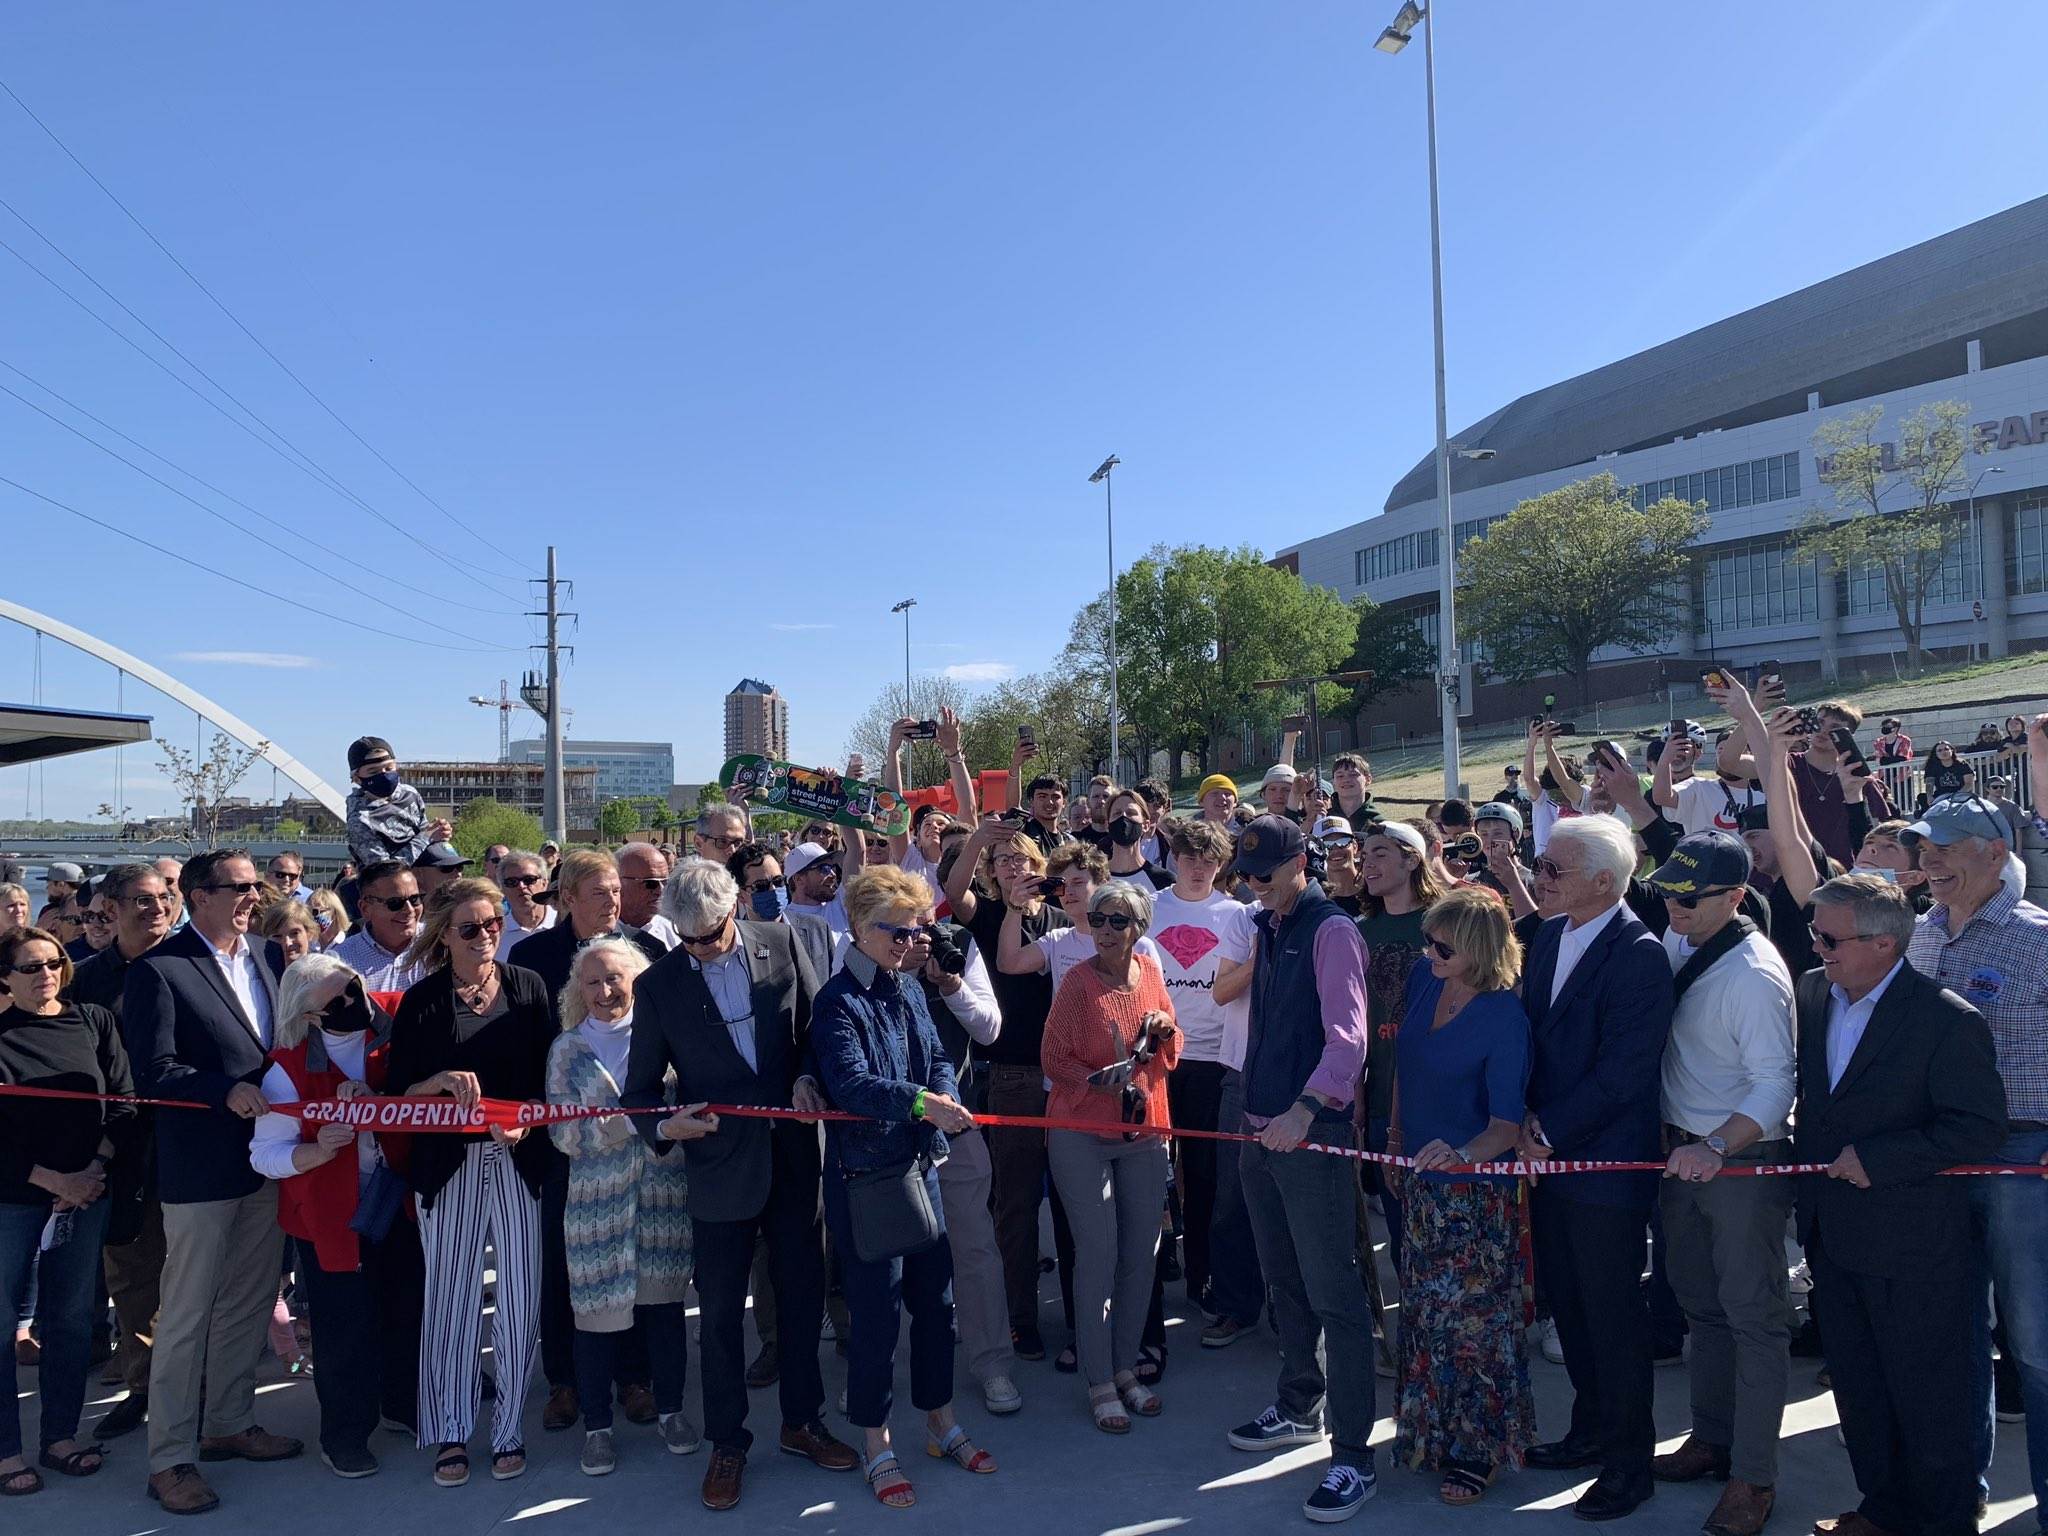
<point x="877" y="1294"/>
<point x="1304" y="1210"/>
<point x="2009" y="1228"/>
<point x="1237" y="1288"/>
<point x="69" y="1282"/>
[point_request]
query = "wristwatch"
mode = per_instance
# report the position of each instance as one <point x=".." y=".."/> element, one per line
<point x="1718" y="1145"/>
<point x="1311" y="1103"/>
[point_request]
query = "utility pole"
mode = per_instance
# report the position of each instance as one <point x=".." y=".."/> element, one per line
<point x="545" y="699"/>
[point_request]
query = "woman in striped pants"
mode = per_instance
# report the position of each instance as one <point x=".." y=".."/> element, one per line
<point x="473" y="1028"/>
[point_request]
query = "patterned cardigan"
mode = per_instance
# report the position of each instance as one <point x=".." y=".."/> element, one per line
<point x="627" y="1226"/>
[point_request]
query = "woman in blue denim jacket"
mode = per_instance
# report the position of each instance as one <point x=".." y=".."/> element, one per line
<point x="878" y="1055"/>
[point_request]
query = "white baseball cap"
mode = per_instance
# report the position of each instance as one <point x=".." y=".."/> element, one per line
<point x="801" y="858"/>
<point x="1279" y="773"/>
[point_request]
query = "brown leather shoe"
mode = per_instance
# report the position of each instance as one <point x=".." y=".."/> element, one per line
<point x="722" y="1478"/>
<point x="182" y="1491"/>
<point x="1743" y="1509"/>
<point x="562" y="1409"/>
<point x="253" y="1444"/>
<point x="815" y="1443"/>
<point x="637" y="1404"/>
<point x="1690" y="1462"/>
<point x="1851" y="1524"/>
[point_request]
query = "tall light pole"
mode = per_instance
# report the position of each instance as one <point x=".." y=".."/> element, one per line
<point x="1396" y="37"/>
<point x="904" y="608"/>
<point x="1977" y="539"/>
<point x="1109" y="522"/>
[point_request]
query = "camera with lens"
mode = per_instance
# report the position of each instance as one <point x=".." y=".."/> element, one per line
<point x="1318" y="860"/>
<point x="949" y="953"/>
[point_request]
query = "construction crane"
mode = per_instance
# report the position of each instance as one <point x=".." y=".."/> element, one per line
<point x="507" y="705"/>
<point x="504" y="704"/>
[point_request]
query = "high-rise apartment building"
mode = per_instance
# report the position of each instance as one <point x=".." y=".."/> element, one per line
<point x="756" y="720"/>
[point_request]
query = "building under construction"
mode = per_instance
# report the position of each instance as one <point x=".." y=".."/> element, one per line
<point x="448" y="787"/>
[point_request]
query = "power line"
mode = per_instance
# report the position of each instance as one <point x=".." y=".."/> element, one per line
<point x="229" y="496"/>
<point x="319" y="476"/>
<point x="220" y="516"/>
<point x="261" y="345"/>
<point x="265" y="592"/>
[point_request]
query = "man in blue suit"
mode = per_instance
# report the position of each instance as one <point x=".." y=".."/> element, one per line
<point x="1597" y="988"/>
<point x="197" y="1014"/>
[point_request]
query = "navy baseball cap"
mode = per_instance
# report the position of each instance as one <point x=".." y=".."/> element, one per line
<point x="1703" y="861"/>
<point x="1266" y="844"/>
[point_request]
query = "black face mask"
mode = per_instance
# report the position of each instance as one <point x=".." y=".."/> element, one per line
<point x="348" y="1014"/>
<point x="379" y="786"/>
<point x="1126" y="830"/>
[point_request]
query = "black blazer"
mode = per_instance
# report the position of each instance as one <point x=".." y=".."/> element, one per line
<point x="676" y="1025"/>
<point x="188" y="1038"/>
<point x="509" y="1057"/>
<point x="1597" y="1055"/>
<point x="1921" y="1093"/>
<point x="551" y="954"/>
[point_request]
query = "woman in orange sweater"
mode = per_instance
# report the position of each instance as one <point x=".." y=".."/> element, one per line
<point x="1109" y="1042"/>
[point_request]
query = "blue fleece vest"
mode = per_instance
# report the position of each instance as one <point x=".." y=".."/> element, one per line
<point x="1285" y="1039"/>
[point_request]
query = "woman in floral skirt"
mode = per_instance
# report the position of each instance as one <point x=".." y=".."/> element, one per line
<point x="1462" y="1066"/>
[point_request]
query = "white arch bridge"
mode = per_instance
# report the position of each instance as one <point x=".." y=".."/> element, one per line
<point x="223" y="720"/>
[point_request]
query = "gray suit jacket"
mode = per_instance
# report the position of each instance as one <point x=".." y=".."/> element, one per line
<point x="815" y="934"/>
<point x="677" y="1026"/>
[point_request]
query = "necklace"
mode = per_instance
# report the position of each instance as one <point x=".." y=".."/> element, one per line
<point x="475" y="992"/>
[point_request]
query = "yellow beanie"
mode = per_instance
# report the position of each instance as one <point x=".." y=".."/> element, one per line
<point x="1215" y="781"/>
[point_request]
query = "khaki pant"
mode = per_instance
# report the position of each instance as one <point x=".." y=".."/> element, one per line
<point x="134" y="1282"/>
<point x="981" y="1310"/>
<point x="223" y="1259"/>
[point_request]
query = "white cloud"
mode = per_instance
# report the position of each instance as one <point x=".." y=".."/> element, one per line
<point x="284" y="660"/>
<point x="796" y="629"/>
<point x="980" y="672"/>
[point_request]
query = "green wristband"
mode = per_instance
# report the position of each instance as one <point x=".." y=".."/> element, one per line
<point x="917" y="1106"/>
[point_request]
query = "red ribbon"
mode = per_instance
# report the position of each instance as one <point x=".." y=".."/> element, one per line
<point x="373" y="1112"/>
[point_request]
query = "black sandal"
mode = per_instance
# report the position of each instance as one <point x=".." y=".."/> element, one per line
<point x="451" y="1467"/>
<point x="10" y="1480"/>
<point x="1066" y="1361"/>
<point x="72" y="1464"/>
<point x="1467" y="1478"/>
<point x="1151" y="1363"/>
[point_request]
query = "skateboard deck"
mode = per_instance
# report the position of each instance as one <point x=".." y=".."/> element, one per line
<point x="819" y="792"/>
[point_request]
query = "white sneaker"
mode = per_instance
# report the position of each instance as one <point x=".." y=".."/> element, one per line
<point x="1553" y="1351"/>
<point x="999" y="1394"/>
<point x="1799" y="1279"/>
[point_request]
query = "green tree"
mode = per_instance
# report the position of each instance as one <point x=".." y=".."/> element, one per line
<point x="485" y="821"/>
<point x="1574" y="571"/>
<point x="870" y="734"/>
<point x="661" y="818"/>
<point x="1899" y="496"/>
<point x="618" y="821"/>
<point x="1390" y="645"/>
<point x="1197" y="627"/>
<point x="290" y="830"/>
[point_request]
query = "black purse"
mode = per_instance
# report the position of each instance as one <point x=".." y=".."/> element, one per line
<point x="890" y="1211"/>
<point x="378" y="1206"/>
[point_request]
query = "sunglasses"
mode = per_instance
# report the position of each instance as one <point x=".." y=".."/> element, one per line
<point x="900" y="934"/>
<point x="720" y="842"/>
<point x="397" y="903"/>
<point x="1117" y="922"/>
<point x="1265" y="879"/>
<point x="285" y="876"/>
<point x="1550" y="869"/>
<point x="765" y="883"/>
<point x="705" y="940"/>
<point x="1830" y="943"/>
<point x="96" y="918"/>
<point x="239" y="887"/>
<point x="525" y="881"/>
<point x="36" y="967"/>
<point x="650" y="885"/>
<point x="1689" y="902"/>
<point x="468" y="931"/>
<point x="1442" y="950"/>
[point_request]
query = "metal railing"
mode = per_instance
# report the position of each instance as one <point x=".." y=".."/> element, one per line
<point x="1904" y="783"/>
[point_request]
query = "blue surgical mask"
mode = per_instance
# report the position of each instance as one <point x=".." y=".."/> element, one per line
<point x="1888" y="876"/>
<point x="769" y="904"/>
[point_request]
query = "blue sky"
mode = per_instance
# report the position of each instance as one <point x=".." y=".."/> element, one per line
<point x="769" y="314"/>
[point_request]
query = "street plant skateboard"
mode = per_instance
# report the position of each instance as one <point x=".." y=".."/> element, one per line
<point x="818" y="792"/>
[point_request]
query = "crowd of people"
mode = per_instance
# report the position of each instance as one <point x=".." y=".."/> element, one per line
<point x="1689" y="965"/>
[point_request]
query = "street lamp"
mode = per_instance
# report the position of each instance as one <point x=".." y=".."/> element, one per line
<point x="1109" y="523"/>
<point x="904" y="608"/>
<point x="1393" y="40"/>
<point x="1977" y="538"/>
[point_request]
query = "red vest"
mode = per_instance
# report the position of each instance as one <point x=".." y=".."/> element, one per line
<point x="318" y="1206"/>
